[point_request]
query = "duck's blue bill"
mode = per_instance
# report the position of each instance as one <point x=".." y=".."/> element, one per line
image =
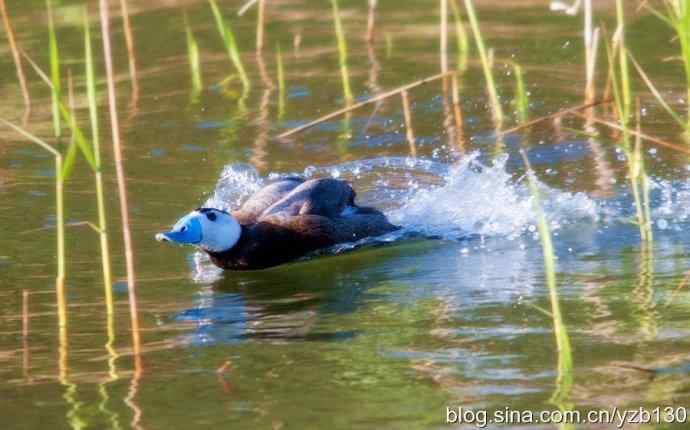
<point x="186" y="231"/>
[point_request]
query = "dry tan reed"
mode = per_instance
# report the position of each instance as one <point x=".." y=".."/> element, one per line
<point x="355" y="106"/>
<point x="15" y="55"/>
<point x="409" y="131"/>
<point x="120" y="173"/>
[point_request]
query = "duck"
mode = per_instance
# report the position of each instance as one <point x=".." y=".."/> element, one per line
<point x="282" y="222"/>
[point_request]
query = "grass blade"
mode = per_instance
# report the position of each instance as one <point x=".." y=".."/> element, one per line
<point x="565" y="358"/>
<point x="54" y="56"/>
<point x="230" y="42"/>
<point x="95" y="139"/>
<point x="281" y="83"/>
<point x="486" y="67"/>
<point x="342" y="53"/>
<point x="193" y="55"/>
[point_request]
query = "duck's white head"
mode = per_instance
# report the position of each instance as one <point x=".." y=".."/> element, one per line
<point x="210" y="229"/>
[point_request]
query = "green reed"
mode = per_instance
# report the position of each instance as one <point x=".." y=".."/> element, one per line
<point x="565" y="359"/>
<point x="79" y="142"/>
<point x="230" y="42"/>
<point x="342" y="53"/>
<point x="98" y="174"/>
<point x="486" y="66"/>
<point x="54" y="56"/>
<point x="619" y="74"/>
<point x="677" y="15"/>
<point x="645" y="219"/>
<point x="193" y="57"/>
<point x="521" y="98"/>
<point x="281" y="83"/>
<point x="461" y="39"/>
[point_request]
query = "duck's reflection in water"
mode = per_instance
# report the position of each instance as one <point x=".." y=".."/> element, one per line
<point x="285" y="302"/>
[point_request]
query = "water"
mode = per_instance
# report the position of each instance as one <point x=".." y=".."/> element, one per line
<point x="384" y="333"/>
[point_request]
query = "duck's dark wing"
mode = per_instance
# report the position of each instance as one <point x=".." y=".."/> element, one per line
<point x="264" y="198"/>
<point x="325" y="197"/>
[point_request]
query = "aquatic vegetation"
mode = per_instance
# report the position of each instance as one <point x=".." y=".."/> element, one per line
<point x="443" y="35"/>
<point x="193" y="57"/>
<point x="358" y="105"/>
<point x="622" y="95"/>
<point x="486" y="65"/>
<point x="565" y="358"/>
<point x="9" y="31"/>
<point x="120" y="174"/>
<point x="78" y="141"/>
<point x="280" y="71"/>
<point x="260" y="16"/>
<point x="407" y="113"/>
<point x="462" y="40"/>
<point x="98" y="171"/>
<point x="591" y="41"/>
<point x="231" y="47"/>
<point x="342" y="53"/>
<point x="677" y="15"/>
<point x="421" y="153"/>
<point x="59" y="195"/>
<point x="129" y="42"/>
<point x="54" y="57"/>
<point x="521" y="99"/>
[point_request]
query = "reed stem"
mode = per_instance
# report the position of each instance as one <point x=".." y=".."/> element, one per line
<point x="363" y="103"/>
<point x="565" y="360"/>
<point x="371" y="21"/>
<point x="231" y="47"/>
<point x="54" y="56"/>
<point x="443" y="42"/>
<point x="193" y="56"/>
<point x="260" y="16"/>
<point x="281" y="83"/>
<point x="486" y="66"/>
<point x="98" y="173"/>
<point x="342" y="53"/>
<point x="129" y="41"/>
<point x="15" y="55"/>
<point x="409" y="131"/>
<point x="120" y="174"/>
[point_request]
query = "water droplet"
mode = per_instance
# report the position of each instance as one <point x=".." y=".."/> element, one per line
<point x="662" y="224"/>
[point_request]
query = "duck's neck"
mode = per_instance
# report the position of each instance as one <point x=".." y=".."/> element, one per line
<point x="234" y="249"/>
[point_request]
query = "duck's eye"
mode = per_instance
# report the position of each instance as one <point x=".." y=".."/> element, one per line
<point x="183" y="229"/>
<point x="211" y="216"/>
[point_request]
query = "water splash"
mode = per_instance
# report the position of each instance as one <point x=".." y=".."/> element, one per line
<point x="486" y="200"/>
<point x="430" y="197"/>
